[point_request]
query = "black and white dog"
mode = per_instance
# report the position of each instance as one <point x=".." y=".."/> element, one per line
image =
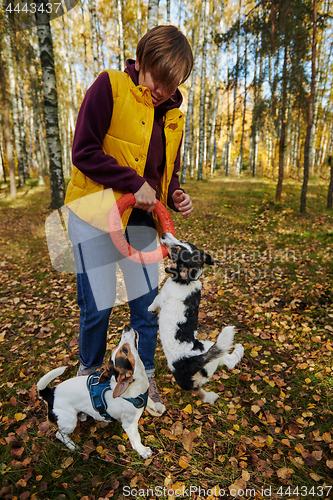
<point x="191" y="361"/>
<point x="125" y="393"/>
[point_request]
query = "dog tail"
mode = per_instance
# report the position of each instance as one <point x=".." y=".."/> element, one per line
<point x="225" y="339"/>
<point x="46" y="393"/>
<point x="46" y="379"/>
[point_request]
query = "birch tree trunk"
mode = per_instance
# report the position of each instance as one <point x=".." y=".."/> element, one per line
<point x="203" y="94"/>
<point x="190" y="102"/>
<point x="121" y="35"/>
<point x="168" y="9"/>
<point x="240" y="157"/>
<point x="138" y="18"/>
<point x="93" y="36"/>
<point x="85" y="69"/>
<point x="152" y="14"/>
<point x="330" y="187"/>
<point x="282" y="142"/>
<point x="13" y="78"/>
<point x="7" y="128"/>
<point x="310" y="113"/>
<point x="257" y="81"/>
<point x="235" y="80"/>
<point x="50" y="109"/>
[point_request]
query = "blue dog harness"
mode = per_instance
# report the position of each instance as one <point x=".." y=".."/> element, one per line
<point x="97" y="392"/>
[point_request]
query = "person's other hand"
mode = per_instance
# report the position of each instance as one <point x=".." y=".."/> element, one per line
<point x="183" y="203"/>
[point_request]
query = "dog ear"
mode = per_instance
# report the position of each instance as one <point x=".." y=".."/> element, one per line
<point x="208" y="259"/>
<point x="107" y="373"/>
<point x="124" y="380"/>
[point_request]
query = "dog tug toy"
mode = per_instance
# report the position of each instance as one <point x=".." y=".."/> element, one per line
<point x="116" y="233"/>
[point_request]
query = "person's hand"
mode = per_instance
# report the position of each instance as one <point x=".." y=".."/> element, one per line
<point x="182" y="202"/>
<point x="145" y="198"/>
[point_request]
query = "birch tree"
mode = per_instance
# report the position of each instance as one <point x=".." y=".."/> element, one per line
<point x="330" y="187"/>
<point x="310" y="111"/>
<point x="190" y="103"/>
<point x="203" y="93"/>
<point x="152" y="14"/>
<point x="93" y="36"/>
<point x="7" y="127"/>
<point x="50" y="108"/>
<point x="120" y="29"/>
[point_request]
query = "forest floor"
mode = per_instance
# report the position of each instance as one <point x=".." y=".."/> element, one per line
<point x="270" y="433"/>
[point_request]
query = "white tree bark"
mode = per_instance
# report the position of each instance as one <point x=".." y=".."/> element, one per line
<point x="152" y="14"/>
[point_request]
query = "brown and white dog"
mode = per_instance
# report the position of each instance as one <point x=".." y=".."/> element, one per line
<point x="191" y="361"/>
<point x="126" y="384"/>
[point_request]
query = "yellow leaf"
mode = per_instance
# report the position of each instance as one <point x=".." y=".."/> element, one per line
<point x="246" y="475"/>
<point x="220" y="292"/>
<point x="179" y="487"/>
<point x="315" y="477"/>
<point x="57" y="473"/>
<point x="269" y="440"/>
<point x="286" y="442"/>
<point x="327" y="437"/>
<point x="99" y="449"/>
<point x="299" y="448"/>
<point x="236" y="427"/>
<point x="19" y="416"/>
<point x="67" y="462"/>
<point x="183" y="462"/>
<point x="308" y="381"/>
<point x="188" y="409"/>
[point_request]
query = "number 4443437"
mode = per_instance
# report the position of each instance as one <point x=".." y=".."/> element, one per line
<point x="31" y="8"/>
<point x="303" y="491"/>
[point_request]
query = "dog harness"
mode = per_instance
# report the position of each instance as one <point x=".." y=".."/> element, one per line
<point x="97" y="392"/>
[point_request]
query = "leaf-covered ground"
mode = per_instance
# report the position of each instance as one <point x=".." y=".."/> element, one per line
<point x="270" y="433"/>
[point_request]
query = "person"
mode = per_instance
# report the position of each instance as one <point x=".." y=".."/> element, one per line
<point x="127" y="140"/>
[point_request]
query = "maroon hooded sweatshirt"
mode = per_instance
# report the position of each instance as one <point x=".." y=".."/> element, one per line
<point x="92" y="125"/>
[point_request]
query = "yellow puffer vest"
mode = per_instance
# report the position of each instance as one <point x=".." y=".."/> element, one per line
<point x="127" y="140"/>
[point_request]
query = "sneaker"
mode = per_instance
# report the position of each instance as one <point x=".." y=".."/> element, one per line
<point x="155" y="404"/>
<point x="84" y="371"/>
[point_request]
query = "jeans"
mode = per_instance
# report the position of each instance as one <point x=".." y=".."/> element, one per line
<point x="96" y="259"/>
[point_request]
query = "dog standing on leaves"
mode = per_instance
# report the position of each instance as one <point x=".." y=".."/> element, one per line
<point x="192" y="362"/>
<point x="125" y="397"/>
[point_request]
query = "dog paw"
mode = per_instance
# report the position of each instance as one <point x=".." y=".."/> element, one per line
<point x="210" y="397"/>
<point x="155" y="409"/>
<point x="145" y="452"/>
<point x="82" y="416"/>
<point x="152" y="309"/>
<point x="67" y="441"/>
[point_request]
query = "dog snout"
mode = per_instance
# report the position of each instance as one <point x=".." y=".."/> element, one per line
<point x="127" y="329"/>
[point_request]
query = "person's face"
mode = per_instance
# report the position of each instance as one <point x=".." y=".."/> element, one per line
<point x="158" y="93"/>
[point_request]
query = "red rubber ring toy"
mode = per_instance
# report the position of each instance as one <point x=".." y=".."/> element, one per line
<point x="119" y="240"/>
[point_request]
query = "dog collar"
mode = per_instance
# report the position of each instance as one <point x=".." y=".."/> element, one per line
<point x="97" y="392"/>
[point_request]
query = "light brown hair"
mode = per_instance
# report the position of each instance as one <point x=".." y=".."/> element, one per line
<point x="166" y="53"/>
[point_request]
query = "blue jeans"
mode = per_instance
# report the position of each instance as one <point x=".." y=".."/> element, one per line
<point x="96" y="260"/>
